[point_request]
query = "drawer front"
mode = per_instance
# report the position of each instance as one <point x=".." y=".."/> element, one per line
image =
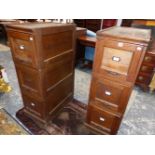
<point x="143" y="78"/>
<point x="146" y="69"/>
<point x="59" y="94"/>
<point x="29" y="80"/>
<point x="102" y="119"/>
<point x="57" y="44"/>
<point x="23" y="47"/>
<point x="110" y="95"/>
<point x="123" y="45"/>
<point x="117" y="60"/>
<point x="149" y="59"/>
<point x="33" y="106"/>
<point x="58" y="69"/>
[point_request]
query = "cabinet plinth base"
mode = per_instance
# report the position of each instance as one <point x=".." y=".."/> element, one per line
<point x="69" y="120"/>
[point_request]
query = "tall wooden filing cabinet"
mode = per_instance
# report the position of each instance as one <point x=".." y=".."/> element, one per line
<point x="118" y="57"/>
<point x="43" y="54"/>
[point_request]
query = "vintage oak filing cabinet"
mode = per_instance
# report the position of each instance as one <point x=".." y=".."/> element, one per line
<point x="43" y="54"/>
<point x="118" y="57"/>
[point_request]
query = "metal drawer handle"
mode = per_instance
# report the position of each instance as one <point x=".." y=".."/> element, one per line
<point x="147" y="58"/>
<point x="140" y="78"/>
<point x="32" y="104"/>
<point x="139" y="48"/>
<point x="120" y="44"/>
<point x="117" y="59"/>
<point x="22" y="47"/>
<point x="31" y="38"/>
<point x="144" y="68"/>
<point x="108" y="93"/>
<point x="102" y="119"/>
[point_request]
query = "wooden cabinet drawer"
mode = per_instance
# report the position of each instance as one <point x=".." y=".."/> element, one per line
<point x="59" y="94"/>
<point x="29" y="80"/>
<point x="57" y="44"/>
<point x="149" y="59"/>
<point x="122" y="45"/>
<point x="109" y="94"/>
<point x="146" y="69"/>
<point x="33" y="105"/>
<point x="143" y="78"/>
<point x="102" y="119"/>
<point x="23" y="47"/>
<point x="59" y="69"/>
<point x="117" y="60"/>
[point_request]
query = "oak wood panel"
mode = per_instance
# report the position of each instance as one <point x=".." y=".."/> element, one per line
<point x="143" y="78"/>
<point x="48" y="40"/>
<point x="60" y="69"/>
<point x="122" y="44"/>
<point x="60" y="93"/>
<point x="149" y="59"/>
<point x="110" y="94"/>
<point x="23" y="47"/>
<point x="146" y="69"/>
<point x="116" y="60"/>
<point x="128" y="34"/>
<point x="132" y="68"/>
<point x="56" y="44"/>
<point x="102" y="119"/>
<point x="34" y="106"/>
<point x="30" y="80"/>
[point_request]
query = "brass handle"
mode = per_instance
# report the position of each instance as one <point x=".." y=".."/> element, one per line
<point x="21" y="47"/>
<point x="140" y="78"/>
<point x="102" y="119"/>
<point x="108" y="93"/>
<point x="32" y="104"/>
<point x="139" y="48"/>
<point x="31" y="38"/>
<point x="144" y="68"/>
<point x="147" y="58"/>
<point x="117" y="59"/>
<point x="120" y="44"/>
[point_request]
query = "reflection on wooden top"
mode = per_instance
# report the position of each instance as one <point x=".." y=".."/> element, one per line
<point x="87" y="38"/>
<point x="130" y="33"/>
<point x="37" y="25"/>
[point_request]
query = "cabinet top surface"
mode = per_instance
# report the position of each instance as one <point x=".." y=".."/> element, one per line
<point x="37" y="25"/>
<point x="135" y="34"/>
